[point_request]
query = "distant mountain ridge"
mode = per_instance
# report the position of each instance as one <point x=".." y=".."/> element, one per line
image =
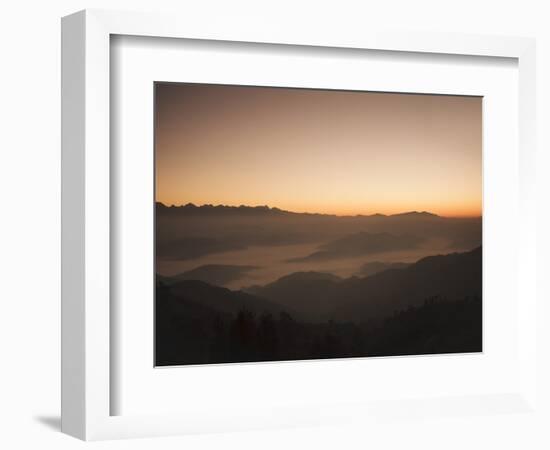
<point x="415" y="213"/>
<point x="190" y="232"/>
<point x="209" y="209"/>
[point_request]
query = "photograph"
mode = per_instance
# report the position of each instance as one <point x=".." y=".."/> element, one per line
<point x="303" y="224"/>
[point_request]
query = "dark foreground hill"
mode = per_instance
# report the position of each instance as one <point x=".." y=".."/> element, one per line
<point x="310" y="294"/>
<point x="190" y="314"/>
<point x="219" y="299"/>
<point x="452" y="276"/>
<point x="432" y="306"/>
<point x="195" y="335"/>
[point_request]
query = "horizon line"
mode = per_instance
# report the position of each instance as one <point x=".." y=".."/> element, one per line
<point x="274" y="208"/>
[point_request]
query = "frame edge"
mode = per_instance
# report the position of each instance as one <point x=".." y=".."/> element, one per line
<point x="73" y="83"/>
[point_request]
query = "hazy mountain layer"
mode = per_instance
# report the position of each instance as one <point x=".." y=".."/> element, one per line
<point x="449" y="276"/>
<point x="215" y="274"/>
<point x="361" y="244"/>
<point x="189" y="232"/>
<point x="280" y="242"/>
<point x="371" y="268"/>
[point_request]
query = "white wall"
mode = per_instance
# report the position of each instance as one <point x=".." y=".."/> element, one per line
<point x="29" y="238"/>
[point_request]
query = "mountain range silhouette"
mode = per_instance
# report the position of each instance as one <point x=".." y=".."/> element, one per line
<point x="209" y="209"/>
<point x="189" y="232"/>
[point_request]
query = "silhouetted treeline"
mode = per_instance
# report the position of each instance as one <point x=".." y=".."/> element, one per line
<point x="190" y="333"/>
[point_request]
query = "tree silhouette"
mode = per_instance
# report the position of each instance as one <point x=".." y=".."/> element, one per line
<point x="268" y="340"/>
<point x="243" y="333"/>
<point x="190" y="333"/>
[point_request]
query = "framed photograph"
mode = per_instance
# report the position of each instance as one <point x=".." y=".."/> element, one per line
<point x="266" y="228"/>
<point x="371" y="245"/>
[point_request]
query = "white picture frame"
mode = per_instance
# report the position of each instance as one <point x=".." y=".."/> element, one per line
<point x="87" y="385"/>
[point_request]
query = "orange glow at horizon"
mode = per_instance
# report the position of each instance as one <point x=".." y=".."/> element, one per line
<point x="444" y="212"/>
<point x="332" y="152"/>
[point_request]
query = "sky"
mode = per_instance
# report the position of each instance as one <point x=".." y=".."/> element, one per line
<point x="322" y="151"/>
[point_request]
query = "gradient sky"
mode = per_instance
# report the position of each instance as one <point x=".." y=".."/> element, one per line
<point x="325" y="151"/>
